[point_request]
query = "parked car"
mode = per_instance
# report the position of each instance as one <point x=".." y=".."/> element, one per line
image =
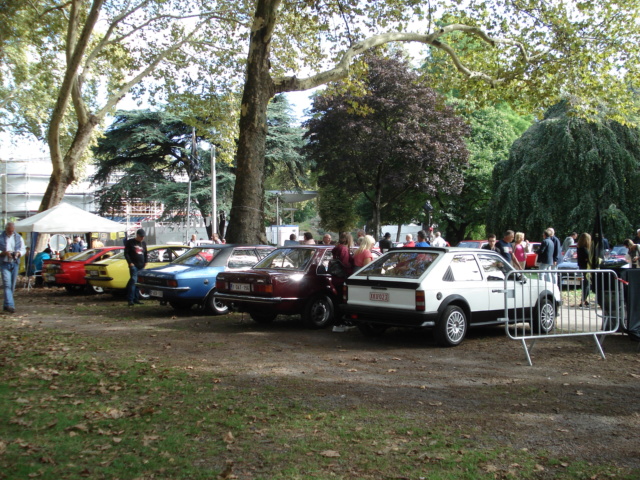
<point x="444" y="289"/>
<point x="619" y="251"/>
<point x="290" y="280"/>
<point x="191" y="278"/>
<point x="532" y="257"/>
<point x="112" y="274"/>
<point x="472" y="244"/>
<point x="569" y="261"/>
<point x="70" y="273"/>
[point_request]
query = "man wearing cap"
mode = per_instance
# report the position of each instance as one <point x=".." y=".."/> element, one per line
<point x="135" y="252"/>
<point x="11" y="249"/>
<point x="385" y="244"/>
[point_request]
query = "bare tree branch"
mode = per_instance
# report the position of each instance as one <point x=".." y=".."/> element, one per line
<point x="289" y="84"/>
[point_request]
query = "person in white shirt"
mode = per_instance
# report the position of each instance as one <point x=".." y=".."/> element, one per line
<point x="11" y="249"/>
<point x="438" y="241"/>
<point x="193" y="242"/>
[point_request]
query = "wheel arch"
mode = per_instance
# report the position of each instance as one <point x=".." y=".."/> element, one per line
<point x="455" y="300"/>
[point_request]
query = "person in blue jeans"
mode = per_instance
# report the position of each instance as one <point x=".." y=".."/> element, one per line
<point x="135" y="252"/>
<point x="11" y="249"/>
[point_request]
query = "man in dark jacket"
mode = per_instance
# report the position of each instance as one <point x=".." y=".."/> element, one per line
<point x="546" y="254"/>
<point x="135" y="252"/>
<point x="385" y="244"/>
<point x="557" y="248"/>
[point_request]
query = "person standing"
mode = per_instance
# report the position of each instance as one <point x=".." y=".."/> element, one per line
<point x="569" y="241"/>
<point x="503" y="247"/>
<point x="363" y="255"/>
<point x="308" y="239"/>
<point x="491" y="242"/>
<point x="385" y="244"/>
<point x="342" y="252"/>
<point x="193" y="242"/>
<point x="637" y="239"/>
<point x="76" y="246"/>
<point x="583" y="249"/>
<point x="545" y="254"/>
<point x="557" y="247"/>
<point x="135" y="252"/>
<point x="326" y="239"/>
<point x="11" y="249"/>
<point x="409" y="241"/>
<point x="293" y="240"/>
<point x="422" y="239"/>
<point x="519" y="256"/>
<point x="438" y="241"/>
<point x="633" y="253"/>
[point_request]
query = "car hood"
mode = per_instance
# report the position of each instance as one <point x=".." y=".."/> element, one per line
<point x="182" y="271"/>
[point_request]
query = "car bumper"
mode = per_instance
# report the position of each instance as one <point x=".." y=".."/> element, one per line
<point x="389" y="316"/>
<point x="250" y="299"/>
<point x="146" y="286"/>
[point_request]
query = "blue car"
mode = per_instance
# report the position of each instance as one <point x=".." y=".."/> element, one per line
<point x="191" y="279"/>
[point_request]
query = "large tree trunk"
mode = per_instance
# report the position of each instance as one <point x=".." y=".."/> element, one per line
<point x="64" y="170"/>
<point x="246" y="224"/>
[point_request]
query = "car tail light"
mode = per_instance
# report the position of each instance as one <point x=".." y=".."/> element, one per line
<point x="420" y="304"/>
<point x="262" y="288"/>
<point x="221" y="285"/>
<point x="172" y="283"/>
<point x="345" y="293"/>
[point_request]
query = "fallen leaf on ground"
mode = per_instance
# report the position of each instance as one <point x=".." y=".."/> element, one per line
<point x="330" y="454"/>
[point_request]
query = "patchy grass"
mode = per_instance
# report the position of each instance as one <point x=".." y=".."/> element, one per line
<point x="74" y="408"/>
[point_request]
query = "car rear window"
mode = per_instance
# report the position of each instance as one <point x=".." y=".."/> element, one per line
<point x="86" y="255"/>
<point x="197" y="257"/>
<point x="288" y="259"/>
<point x="399" y="264"/>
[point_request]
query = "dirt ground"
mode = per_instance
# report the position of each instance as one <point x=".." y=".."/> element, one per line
<point x="571" y="403"/>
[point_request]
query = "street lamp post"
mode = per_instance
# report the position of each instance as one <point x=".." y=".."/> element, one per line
<point x="214" y="193"/>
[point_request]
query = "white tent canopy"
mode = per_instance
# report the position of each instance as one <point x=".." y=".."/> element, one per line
<point x="65" y="218"/>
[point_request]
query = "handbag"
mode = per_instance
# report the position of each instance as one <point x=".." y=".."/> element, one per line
<point x="336" y="268"/>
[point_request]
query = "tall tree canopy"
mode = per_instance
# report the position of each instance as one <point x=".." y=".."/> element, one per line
<point x="530" y="51"/>
<point x="147" y="156"/>
<point x="397" y="139"/>
<point x="493" y="131"/>
<point x="561" y="169"/>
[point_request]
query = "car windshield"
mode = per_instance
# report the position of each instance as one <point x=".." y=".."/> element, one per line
<point x="81" y="257"/>
<point x="400" y="264"/>
<point x="470" y="244"/>
<point x="197" y="257"/>
<point x="118" y="256"/>
<point x="619" y="250"/>
<point x="571" y="256"/>
<point x="288" y="259"/>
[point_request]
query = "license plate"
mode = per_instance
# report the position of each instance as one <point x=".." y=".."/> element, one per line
<point x="240" y="287"/>
<point x="378" y="297"/>
<point x="155" y="293"/>
<point x="94" y="273"/>
<point x="51" y="278"/>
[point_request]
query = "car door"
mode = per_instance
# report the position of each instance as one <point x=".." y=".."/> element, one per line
<point x="495" y="269"/>
<point x="467" y="281"/>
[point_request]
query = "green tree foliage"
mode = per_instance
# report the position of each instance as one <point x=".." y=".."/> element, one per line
<point x="286" y="167"/>
<point x="493" y="131"/>
<point x="399" y="138"/>
<point x="146" y="156"/>
<point x="561" y="170"/>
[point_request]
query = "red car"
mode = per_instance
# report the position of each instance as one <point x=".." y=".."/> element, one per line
<point x="290" y="280"/>
<point x="70" y="273"/>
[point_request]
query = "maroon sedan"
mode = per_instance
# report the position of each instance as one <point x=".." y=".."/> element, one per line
<point x="290" y="280"/>
<point x="70" y="274"/>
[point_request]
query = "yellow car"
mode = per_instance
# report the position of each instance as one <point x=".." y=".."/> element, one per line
<point x="113" y="274"/>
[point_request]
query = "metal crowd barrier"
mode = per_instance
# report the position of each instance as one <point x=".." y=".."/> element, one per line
<point x="533" y="311"/>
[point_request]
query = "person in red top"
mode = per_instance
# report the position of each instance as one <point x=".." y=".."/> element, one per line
<point x="342" y="252"/>
<point x="409" y="241"/>
<point x="363" y="255"/>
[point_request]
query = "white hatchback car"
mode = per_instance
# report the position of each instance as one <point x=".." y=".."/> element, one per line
<point x="447" y="290"/>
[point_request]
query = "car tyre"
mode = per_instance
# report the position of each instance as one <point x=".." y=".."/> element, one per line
<point x="544" y="316"/>
<point x="452" y="327"/>
<point x="319" y="312"/>
<point x="263" y="318"/>
<point x="214" y="306"/>
<point x="372" y="329"/>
